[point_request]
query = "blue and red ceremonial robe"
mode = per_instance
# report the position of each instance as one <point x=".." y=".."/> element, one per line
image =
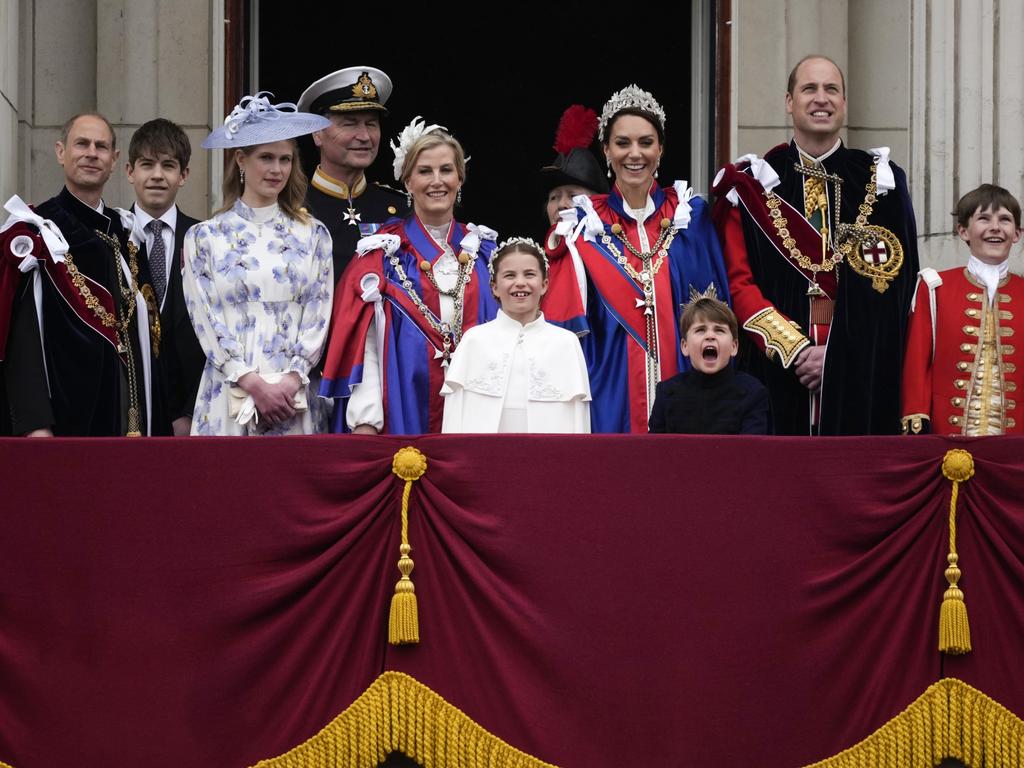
<point x="410" y="360"/>
<point x="616" y="348"/>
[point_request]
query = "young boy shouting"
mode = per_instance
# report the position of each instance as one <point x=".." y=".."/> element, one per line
<point x="960" y="370"/>
<point x="712" y="398"/>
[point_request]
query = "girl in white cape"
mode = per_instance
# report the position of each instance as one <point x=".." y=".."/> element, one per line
<point x="517" y="373"/>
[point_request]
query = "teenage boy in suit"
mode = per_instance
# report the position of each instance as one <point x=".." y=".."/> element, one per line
<point x="158" y="158"/>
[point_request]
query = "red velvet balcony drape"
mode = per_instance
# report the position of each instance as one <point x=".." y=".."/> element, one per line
<point x="591" y="601"/>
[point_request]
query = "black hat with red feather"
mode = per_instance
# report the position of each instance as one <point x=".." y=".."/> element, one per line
<point x="575" y="163"/>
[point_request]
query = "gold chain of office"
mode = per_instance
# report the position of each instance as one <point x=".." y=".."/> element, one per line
<point x="843" y="250"/>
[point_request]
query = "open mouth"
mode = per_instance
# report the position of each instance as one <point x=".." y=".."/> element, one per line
<point x="437" y="195"/>
<point x="520" y="294"/>
<point x="634" y="167"/>
<point x="709" y="352"/>
<point x="821" y="113"/>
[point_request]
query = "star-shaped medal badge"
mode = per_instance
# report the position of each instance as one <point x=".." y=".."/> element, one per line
<point x="352" y="216"/>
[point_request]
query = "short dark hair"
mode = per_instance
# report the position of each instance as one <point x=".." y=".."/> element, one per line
<point x="650" y="117"/>
<point x="984" y="198"/>
<point x="792" y="73"/>
<point x="160" y="137"/>
<point x="710" y="309"/>
<point x="65" y="130"/>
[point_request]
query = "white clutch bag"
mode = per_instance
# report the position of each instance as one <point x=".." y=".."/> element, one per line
<point x="242" y="408"/>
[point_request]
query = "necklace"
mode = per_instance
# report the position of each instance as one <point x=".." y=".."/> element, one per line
<point x="122" y="325"/>
<point x="843" y="231"/>
<point x="451" y="333"/>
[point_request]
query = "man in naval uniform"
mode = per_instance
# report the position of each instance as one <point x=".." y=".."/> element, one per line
<point x="79" y="325"/>
<point x="339" y="193"/>
<point x="821" y="247"/>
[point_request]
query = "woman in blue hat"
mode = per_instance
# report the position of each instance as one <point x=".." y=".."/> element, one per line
<point x="258" y="281"/>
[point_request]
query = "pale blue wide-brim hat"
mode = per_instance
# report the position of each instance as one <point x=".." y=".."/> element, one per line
<point x="256" y="121"/>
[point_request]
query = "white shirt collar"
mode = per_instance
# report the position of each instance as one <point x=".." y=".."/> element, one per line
<point x="169" y="217"/>
<point x="989" y="275"/>
<point x="821" y="158"/>
<point x="505" y="321"/>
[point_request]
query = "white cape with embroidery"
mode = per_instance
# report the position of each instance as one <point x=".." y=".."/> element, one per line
<point x="543" y="360"/>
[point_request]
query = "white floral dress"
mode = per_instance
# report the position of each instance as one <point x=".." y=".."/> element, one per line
<point x="258" y="287"/>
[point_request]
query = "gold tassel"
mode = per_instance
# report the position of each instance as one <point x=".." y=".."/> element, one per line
<point x="954" y="629"/>
<point x="404" y="624"/>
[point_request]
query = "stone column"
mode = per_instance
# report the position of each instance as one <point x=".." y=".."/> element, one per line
<point x="9" y="98"/>
<point x="967" y="113"/>
<point x="154" y="61"/>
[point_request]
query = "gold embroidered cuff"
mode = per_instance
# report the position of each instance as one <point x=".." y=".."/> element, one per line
<point x="781" y="337"/>
<point x="914" y="423"/>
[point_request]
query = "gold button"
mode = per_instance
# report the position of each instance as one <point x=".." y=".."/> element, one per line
<point x="972" y="312"/>
<point x="971" y="330"/>
<point x="975" y="406"/>
<point x="960" y="384"/>
<point x="954" y="420"/>
<point x="392" y="210"/>
<point x="973" y="296"/>
<point x="957" y="402"/>
<point x="975" y="422"/>
<point x="966" y="347"/>
<point x="963" y="366"/>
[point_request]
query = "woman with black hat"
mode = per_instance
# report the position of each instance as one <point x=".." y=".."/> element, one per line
<point x="575" y="171"/>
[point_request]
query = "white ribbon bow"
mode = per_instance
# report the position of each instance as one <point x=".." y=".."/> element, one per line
<point x="760" y="169"/>
<point x="131" y="223"/>
<point x="568" y="219"/>
<point x="369" y="284"/>
<point x="592" y="224"/>
<point x="885" y="180"/>
<point x="681" y="218"/>
<point x="477" y="232"/>
<point x="387" y="243"/>
<point x="20" y="213"/>
<point x="252" y="108"/>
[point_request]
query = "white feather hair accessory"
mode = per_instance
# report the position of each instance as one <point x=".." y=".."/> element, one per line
<point x="407" y="137"/>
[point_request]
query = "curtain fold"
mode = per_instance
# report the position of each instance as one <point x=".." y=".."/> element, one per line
<point x="603" y="600"/>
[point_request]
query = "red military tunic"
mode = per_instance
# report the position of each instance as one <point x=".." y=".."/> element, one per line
<point x="965" y="379"/>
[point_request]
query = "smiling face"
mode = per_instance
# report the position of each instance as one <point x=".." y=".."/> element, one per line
<point x="817" y="104"/>
<point x="349" y="145"/>
<point x="434" y="182"/>
<point x="633" y="152"/>
<point x="267" y="168"/>
<point x="990" y="234"/>
<point x="88" y="157"/>
<point x="156" y="181"/>
<point x="518" y="285"/>
<point x="709" y="344"/>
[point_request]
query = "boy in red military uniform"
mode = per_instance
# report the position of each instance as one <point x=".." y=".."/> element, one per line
<point x="960" y="371"/>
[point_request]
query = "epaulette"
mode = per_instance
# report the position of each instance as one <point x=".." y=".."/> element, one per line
<point x="386" y="188"/>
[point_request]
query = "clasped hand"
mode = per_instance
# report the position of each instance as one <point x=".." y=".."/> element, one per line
<point x="274" y="402"/>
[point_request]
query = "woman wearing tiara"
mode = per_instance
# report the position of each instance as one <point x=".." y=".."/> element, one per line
<point x="639" y="252"/>
<point x="258" y="280"/>
<point x="517" y="373"/>
<point x="406" y="299"/>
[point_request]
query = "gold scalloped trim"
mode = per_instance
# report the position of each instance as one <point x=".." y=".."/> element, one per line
<point x="398" y="713"/>
<point x="950" y="719"/>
